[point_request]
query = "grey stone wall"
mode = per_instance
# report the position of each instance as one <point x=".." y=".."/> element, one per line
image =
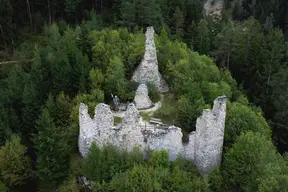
<point x="204" y="146"/>
<point x="209" y="136"/>
<point x="148" y="71"/>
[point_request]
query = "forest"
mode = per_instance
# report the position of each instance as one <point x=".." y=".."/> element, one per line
<point x="56" y="54"/>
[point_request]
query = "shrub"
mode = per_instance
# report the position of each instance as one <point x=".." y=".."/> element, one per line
<point x="15" y="166"/>
<point x="153" y="93"/>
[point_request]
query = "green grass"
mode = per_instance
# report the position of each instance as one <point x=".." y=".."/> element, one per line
<point x="75" y="162"/>
<point x="145" y="116"/>
<point x="167" y="112"/>
<point x="117" y="120"/>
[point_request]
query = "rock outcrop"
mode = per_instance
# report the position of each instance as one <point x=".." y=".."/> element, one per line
<point x="148" y="71"/>
<point x="142" y="100"/>
<point x="204" y="146"/>
<point x="213" y="8"/>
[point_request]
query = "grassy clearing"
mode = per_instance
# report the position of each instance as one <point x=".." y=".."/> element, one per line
<point x="145" y="116"/>
<point x="117" y="120"/>
<point x="167" y="112"/>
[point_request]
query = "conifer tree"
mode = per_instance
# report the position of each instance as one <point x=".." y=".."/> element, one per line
<point x="51" y="150"/>
<point x="15" y="166"/>
<point x="203" y="37"/>
<point x="178" y="21"/>
<point x="128" y="14"/>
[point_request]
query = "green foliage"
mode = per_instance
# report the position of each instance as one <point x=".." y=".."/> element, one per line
<point x="167" y="112"/>
<point x="3" y="188"/>
<point x="251" y="158"/>
<point x="117" y="120"/>
<point x="91" y="100"/>
<point x="159" y="158"/>
<point x="256" y="58"/>
<point x="115" y="81"/>
<point x="52" y="150"/>
<point x="69" y="185"/>
<point x="88" y="65"/>
<point x="185" y="165"/>
<point x="15" y="165"/>
<point x="146" y="178"/>
<point x="178" y="21"/>
<point x="216" y="181"/>
<point x="203" y="37"/>
<point x="241" y="118"/>
<point x="145" y="116"/>
<point x="153" y="93"/>
<point x="103" y="164"/>
<point x="128" y="14"/>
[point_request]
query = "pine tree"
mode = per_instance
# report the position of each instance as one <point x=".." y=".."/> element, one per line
<point x="15" y="166"/>
<point x="52" y="151"/>
<point x="178" y="21"/>
<point x="203" y="37"/>
<point x="225" y="45"/>
<point x="6" y="27"/>
<point x="190" y="35"/>
<point x="128" y="14"/>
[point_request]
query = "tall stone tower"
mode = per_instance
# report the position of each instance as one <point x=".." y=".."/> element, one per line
<point x="147" y="71"/>
<point x="209" y="136"/>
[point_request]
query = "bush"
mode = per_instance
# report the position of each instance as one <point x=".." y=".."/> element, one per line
<point x="70" y="185"/>
<point x="250" y="160"/>
<point x="216" y="181"/>
<point x="15" y="166"/>
<point x="153" y="93"/>
<point x="103" y="164"/>
<point x="241" y="118"/>
<point x="3" y="188"/>
<point x="159" y="158"/>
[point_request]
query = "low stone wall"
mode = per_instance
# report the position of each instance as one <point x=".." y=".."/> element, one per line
<point x="204" y="146"/>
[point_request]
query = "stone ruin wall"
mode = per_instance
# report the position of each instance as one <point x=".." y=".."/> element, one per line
<point x="204" y="146"/>
<point x="147" y="71"/>
<point x="142" y="100"/>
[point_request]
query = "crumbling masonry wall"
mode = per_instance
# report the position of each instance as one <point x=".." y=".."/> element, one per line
<point x="204" y="146"/>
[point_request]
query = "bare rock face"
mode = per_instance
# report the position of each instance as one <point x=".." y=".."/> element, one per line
<point x="209" y="136"/>
<point x="214" y="8"/>
<point x="147" y="71"/>
<point x="142" y="100"/>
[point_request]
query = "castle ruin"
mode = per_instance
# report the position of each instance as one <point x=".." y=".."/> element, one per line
<point x="204" y="146"/>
